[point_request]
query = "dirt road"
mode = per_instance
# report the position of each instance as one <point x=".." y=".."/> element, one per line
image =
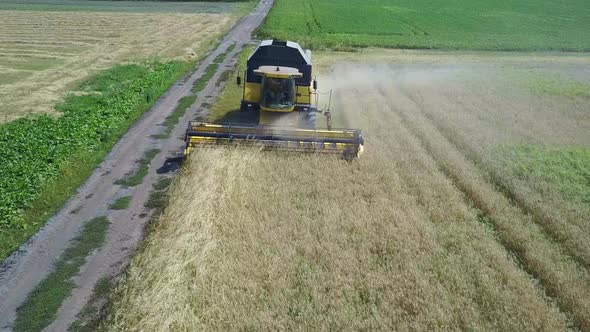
<point x="23" y="270"/>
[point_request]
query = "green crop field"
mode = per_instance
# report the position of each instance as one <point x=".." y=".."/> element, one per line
<point x="456" y="24"/>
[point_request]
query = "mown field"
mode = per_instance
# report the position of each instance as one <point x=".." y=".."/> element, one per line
<point x="44" y="52"/>
<point x="467" y="210"/>
<point x="458" y="24"/>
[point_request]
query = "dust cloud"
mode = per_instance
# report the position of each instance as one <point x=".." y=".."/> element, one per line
<point x="346" y="78"/>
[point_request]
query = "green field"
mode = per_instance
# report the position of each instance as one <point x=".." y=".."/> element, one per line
<point x="455" y="24"/>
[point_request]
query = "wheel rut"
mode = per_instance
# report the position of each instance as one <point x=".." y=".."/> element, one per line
<point x="517" y="233"/>
<point x="554" y="231"/>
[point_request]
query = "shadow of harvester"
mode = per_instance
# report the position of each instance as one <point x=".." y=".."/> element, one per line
<point x="237" y="116"/>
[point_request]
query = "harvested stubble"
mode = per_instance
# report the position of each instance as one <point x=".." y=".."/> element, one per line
<point x="409" y="236"/>
<point x="266" y="241"/>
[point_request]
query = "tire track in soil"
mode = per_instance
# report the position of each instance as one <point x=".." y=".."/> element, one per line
<point x="557" y="232"/>
<point x="573" y="304"/>
<point x="399" y="131"/>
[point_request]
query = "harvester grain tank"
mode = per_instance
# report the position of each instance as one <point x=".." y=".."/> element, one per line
<point x="278" y="84"/>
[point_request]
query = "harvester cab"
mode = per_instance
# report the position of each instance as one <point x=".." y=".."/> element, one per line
<point x="278" y="89"/>
<point x="278" y="86"/>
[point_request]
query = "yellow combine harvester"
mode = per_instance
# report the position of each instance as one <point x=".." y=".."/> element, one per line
<point x="279" y="86"/>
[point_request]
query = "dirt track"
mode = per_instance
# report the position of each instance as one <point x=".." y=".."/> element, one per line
<point x="23" y="270"/>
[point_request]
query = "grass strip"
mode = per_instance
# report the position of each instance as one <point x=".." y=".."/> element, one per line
<point x="90" y="316"/>
<point x="121" y="203"/>
<point x="134" y="178"/>
<point x="201" y="83"/>
<point x="162" y="184"/>
<point x="219" y="59"/>
<point x="40" y="307"/>
<point x="172" y="120"/>
<point x="159" y="196"/>
<point x="156" y="200"/>
<point x="230" y="48"/>
<point x="224" y="77"/>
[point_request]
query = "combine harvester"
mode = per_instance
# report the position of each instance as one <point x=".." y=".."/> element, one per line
<point x="278" y="85"/>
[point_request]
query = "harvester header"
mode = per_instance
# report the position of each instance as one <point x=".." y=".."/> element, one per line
<point x="347" y="142"/>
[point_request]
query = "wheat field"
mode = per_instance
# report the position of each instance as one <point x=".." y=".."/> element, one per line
<point x="425" y="231"/>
